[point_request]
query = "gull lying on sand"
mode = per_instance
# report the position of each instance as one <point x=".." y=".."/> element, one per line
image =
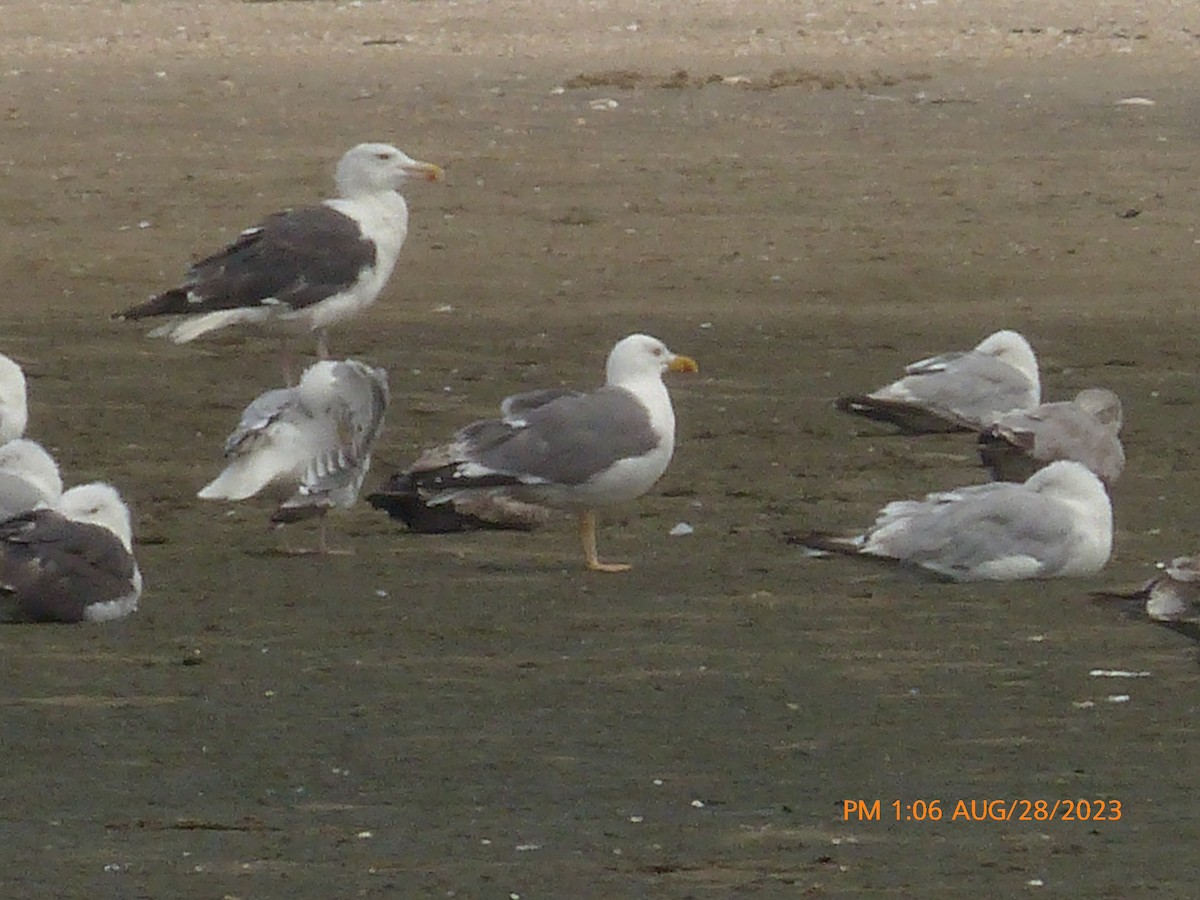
<point x="1056" y="524"/>
<point x="958" y="391"/>
<point x="1086" y="429"/>
<point x="72" y="563"/>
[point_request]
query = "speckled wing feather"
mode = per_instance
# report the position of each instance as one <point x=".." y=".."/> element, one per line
<point x="345" y="431"/>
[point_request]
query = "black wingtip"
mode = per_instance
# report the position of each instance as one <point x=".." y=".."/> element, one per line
<point x="908" y="418"/>
<point x="823" y="542"/>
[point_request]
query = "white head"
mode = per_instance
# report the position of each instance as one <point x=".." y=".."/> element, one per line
<point x="1103" y="404"/>
<point x="1012" y="348"/>
<point x="14" y="413"/>
<point x="98" y="503"/>
<point x="375" y="168"/>
<point x="639" y="355"/>
<point x="30" y="460"/>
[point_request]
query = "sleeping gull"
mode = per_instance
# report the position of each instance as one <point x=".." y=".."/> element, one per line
<point x="311" y="267"/>
<point x="1086" y="429"/>
<point x="14" y="409"/>
<point x="1170" y="599"/>
<point x="72" y="563"/>
<point x="956" y="391"/>
<point x="1058" y="523"/>
<point x="570" y="450"/>
<point x="29" y="478"/>
<point x="312" y="441"/>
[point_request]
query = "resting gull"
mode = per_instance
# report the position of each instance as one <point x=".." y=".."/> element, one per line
<point x="29" y="477"/>
<point x="72" y="563"/>
<point x="1058" y="523"/>
<point x="313" y="441"/>
<point x="14" y="409"/>
<point x="570" y="450"/>
<point x="1170" y="599"/>
<point x="312" y="267"/>
<point x="1086" y="429"/>
<point x="956" y="391"/>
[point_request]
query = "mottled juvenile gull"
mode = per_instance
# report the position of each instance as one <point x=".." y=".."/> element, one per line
<point x="310" y="267"/>
<point x="1086" y="429"/>
<point x="72" y="563"/>
<point x="1058" y="523"/>
<point x="570" y="450"/>
<point x="1171" y="598"/>
<point x="29" y="477"/>
<point x="958" y="391"/>
<point x="14" y="408"/>
<point x="312" y="442"/>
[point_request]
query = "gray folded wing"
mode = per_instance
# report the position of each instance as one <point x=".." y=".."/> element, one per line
<point x="567" y="441"/>
<point x="992" y="524"/>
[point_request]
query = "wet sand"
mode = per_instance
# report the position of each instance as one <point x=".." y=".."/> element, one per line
<point x="803" y="197"/>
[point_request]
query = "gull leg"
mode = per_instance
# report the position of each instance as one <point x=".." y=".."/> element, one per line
<point x="323" y="547"/>
<point x="322" y="343"/>
<point x="587" y="535"/>
<point x="289" y="362"/>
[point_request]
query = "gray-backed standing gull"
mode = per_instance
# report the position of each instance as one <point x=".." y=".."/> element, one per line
<point x="14" y="405"/>
<point x="957" y="391"/>
<point x="1086" y="429"/>
<point x="1058" y="523"/>
<point x="310" y="267"/>
<point x="72" y="563"/>
<point x="401" y="496"/>
<point x="29" y="478"/>
<point x="571" y="450"/>
<point x="312" y="441"/>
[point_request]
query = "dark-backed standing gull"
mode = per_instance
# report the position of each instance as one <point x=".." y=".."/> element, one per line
<point x="29" y="478"/>
<point x="311" y="267"/>
<point x="1086" y="429"/>
<point x="14" y="406"/>
<point x="570" y="450"/>
<point x="961" y="391"/>
<point x="312" y="441"/>
<point x="72" y="563"/>
<point x="1058" y="523"/>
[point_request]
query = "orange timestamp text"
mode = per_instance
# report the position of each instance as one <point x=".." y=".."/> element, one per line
<point x="983" y="810"/>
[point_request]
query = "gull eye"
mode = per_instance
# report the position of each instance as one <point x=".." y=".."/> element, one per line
<point x="383" y="156"/>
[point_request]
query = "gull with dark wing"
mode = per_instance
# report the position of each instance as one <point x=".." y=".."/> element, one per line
<point x="1086" y="429"/>
<point x="1056" y="524"/>
<point x="309" y="268"/>
<point x="72" y="563"/>
<point x="311" y="442"/>
<point x="959" y="391"/>
<point x="569" y="450"/>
